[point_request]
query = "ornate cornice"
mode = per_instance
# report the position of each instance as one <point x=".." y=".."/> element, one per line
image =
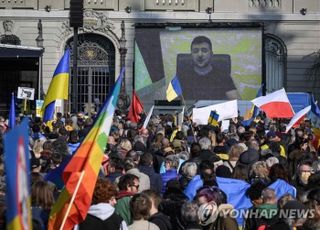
<point x="93" y="21"/>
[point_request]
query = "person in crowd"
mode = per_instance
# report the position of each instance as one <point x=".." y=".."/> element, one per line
<point x="42" y="201"/>
<point x="171" y="203"/>
<point x="140" y="206"/>
<point x="218" y="198"/>
<point x="188" y="171"/>
<point x="101" y="214"/>
<point x="234" y="155"/>
<point x="146" y="167"/>
<point x="115" y="169"/>
<point x="301" y="178"/>
<point x="298" y="215"/>
<point x="259" y="171"/>
<point x="171" y="164"/>
<point x="268" y="210"/>
<point x="189" y="214"/>
<point x="254" y="192"/>
<point x="131" y="167"/>
<point x="313" y="204"/>
<point x="278" y="171"/>
<point x="128" y="186"/>
<point x="157" y="217"/>
<point x="73" y="141"/>
<point x="284" y="199"/>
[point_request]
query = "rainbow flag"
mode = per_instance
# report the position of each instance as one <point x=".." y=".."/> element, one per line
<point x="59" y="87"/>
<point x="80" y="175"/>
<point x="17" y="166"/>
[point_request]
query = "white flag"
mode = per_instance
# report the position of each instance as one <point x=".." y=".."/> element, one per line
<point x="225" y="111"/>
<point x="297" y="117"/>
<point x="146" y="121"/>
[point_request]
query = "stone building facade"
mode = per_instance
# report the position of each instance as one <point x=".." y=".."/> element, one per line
<point x="293" y="29"/>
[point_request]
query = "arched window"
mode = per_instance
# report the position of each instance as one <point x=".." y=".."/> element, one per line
<point x="276" y="61"/>
<point x="96" y="70"/>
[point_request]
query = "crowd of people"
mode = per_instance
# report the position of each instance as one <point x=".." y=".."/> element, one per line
<point x="171" y="177"/>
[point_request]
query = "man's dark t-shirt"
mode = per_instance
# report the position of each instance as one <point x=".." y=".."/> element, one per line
<point x="212" y="86"/>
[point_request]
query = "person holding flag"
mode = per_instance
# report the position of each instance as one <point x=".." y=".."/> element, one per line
<point x="81" y="173"/>
<point x="58" y="88"/>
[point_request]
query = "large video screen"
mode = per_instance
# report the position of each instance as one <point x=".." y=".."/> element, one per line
<point x="210" y="63"/>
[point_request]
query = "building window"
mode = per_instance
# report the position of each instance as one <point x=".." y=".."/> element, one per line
<point x="276" y="61"/>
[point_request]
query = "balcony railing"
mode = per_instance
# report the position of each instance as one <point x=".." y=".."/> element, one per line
<point x="187" y="5"/>
<point x="18" y="4"/>
<point x="96" y="4"/>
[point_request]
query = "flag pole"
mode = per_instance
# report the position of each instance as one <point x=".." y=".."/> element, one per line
<point x="72" y="200"/>
<point x="194" y="135"/>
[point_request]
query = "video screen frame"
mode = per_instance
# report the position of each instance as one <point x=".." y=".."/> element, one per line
<point x="158" y="73"/>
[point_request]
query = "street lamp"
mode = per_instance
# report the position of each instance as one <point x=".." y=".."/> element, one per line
<point x="124" y="100"/>
<point x="39" y="41"/>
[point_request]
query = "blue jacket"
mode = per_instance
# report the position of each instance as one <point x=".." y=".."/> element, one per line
<point x="168" y="175"/>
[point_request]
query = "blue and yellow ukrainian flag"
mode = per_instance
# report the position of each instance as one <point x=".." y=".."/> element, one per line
<point x="213" y="118"/>
<point x="174" y="89"/>
<point x="254" y="111"/>
<point x="17" y="168"/>
<point x="59" y="87"/>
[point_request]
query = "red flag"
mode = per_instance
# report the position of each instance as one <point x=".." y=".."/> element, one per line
<point x="136" y="108"/>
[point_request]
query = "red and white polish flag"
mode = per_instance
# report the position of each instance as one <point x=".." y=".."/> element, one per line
<point x="275" y="105"/>
<point x="298" y="117"/>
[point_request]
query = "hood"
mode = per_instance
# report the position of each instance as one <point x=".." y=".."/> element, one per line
<point x="102" y="210"/>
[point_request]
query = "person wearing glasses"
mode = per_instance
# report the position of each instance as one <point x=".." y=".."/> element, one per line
<point x="128" y="186"/>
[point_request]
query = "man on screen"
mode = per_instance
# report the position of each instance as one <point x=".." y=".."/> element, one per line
<point x="203" y="75"/>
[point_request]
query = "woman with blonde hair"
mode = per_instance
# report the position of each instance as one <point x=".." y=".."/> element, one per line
<point x="234" y="155"/>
